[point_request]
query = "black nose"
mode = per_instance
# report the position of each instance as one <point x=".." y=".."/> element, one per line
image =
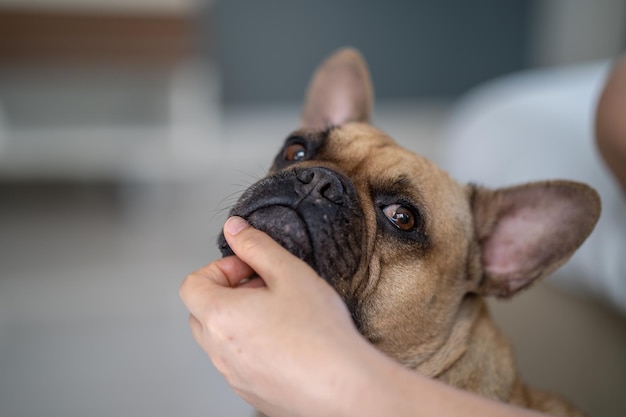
<point x="321" y="182"/>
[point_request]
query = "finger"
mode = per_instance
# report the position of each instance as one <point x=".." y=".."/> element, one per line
<point x="203" y="287"/>
<point x="254" y="282"/>
<point x="234" y="269"/>
<point x="196" y="330"/>
<point x="261" y="252"/>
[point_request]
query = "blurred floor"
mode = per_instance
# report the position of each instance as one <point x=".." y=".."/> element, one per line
<point x="90" y="320"/>
<point x="91" y="323"/>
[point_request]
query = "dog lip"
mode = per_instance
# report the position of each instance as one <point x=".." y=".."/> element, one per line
<point x="286" y="225"/>
<point x="261" y="205"/>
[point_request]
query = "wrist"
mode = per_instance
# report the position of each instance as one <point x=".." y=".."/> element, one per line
<point x="377" y="386"/>
<point x="373" y="385"/>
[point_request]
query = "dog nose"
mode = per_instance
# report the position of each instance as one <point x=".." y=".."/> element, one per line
<point x="321" y="182"/>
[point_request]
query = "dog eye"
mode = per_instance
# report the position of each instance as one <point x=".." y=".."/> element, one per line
<point x="401" y="216"/>
<point x="295" y="152"/>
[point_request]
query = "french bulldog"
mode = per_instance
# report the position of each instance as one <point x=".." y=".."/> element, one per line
<point x="411" y="251"/>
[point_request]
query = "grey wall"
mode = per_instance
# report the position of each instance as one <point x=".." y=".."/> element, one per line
<point x="268" y="49"/>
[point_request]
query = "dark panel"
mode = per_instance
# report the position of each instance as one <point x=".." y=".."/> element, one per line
<point x="415" y="48"/>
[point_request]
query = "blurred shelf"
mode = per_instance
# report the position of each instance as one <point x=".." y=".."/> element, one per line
<point x="162" y="7"/>
<point x="62" y="37"/>
<point x="107" y="123"/>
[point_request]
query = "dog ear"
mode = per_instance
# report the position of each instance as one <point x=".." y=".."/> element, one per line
<point x="340" y="92"/>
<point x="526" y="232"/>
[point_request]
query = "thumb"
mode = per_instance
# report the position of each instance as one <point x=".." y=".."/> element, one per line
<point x="262" y="253"/>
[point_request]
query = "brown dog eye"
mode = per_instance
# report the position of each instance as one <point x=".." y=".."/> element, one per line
<point x="402" y="217"/>
<point x="295" y="152"/>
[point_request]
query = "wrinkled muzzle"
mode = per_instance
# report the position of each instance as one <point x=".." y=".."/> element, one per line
<point x="312" y="212"/>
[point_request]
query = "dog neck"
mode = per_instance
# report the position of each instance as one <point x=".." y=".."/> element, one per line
<point x="476" y="356"/>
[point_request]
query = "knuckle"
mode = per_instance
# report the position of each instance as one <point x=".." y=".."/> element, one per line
<point x="187" y="283"/>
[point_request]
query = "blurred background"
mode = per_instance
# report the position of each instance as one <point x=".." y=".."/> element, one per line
<point x="128" y="127"/>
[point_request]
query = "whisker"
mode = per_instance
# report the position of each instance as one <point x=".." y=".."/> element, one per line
<point x="226" y="202"/>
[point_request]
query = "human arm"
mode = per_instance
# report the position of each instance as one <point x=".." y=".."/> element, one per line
<point x="287" y="345"/>
<point x="611" y="123"/>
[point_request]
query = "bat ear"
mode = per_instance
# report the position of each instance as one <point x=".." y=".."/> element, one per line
<point x="340" y="92"/>
<point x="526" y="232"/>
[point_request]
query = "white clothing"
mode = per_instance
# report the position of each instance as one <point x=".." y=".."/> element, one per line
<point x="539" y="125"/>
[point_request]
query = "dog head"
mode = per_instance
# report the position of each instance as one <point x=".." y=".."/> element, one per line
<point x="405" y="245"/>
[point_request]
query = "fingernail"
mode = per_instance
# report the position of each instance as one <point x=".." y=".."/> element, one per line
<point x="235" y="225"/>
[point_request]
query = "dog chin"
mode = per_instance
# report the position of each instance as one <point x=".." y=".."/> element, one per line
<point x="282" y="224"/>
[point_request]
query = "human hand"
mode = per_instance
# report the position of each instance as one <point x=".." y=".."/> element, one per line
<point x="282" y="340"/>
<point x="286" y="344"/>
